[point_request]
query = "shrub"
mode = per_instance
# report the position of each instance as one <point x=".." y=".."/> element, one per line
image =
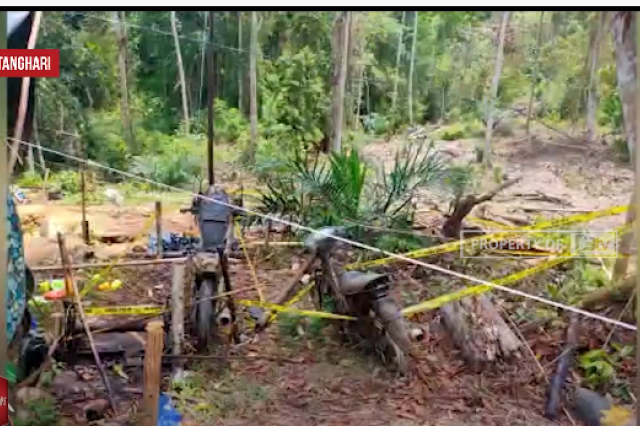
<point x="177" y="162"/>
<point x="29" y="180"/>
<point x="229" y="123"/>
<point x="67" y="181"/>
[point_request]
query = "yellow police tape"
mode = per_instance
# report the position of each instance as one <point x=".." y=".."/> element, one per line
<point x="439" y="301"/>
<point x="456" y="245"/>
<point x="489" y="223"/>
<point x="301" y="312"/>
<point x="295" y="299"/>
<point x="123" y="310"/>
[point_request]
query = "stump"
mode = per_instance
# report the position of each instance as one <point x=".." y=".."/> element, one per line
<point x="479" y="331"/>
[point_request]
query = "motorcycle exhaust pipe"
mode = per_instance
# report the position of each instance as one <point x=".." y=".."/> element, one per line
<point x="417" y="334"/>
<point x="224" y="319"/>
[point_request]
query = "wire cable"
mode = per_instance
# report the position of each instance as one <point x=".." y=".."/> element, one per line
<point x="294" y="225"/>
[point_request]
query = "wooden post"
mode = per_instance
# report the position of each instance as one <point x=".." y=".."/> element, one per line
<point x="177" y="316"/>
<point x="64" y="260"/>
<point x="83" y="189"/>
<point x="152" y="370"/>
<point x="159" y="228"/>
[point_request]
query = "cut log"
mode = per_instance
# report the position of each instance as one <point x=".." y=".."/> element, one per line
<point x="115" y="323"/>
<point x="479" y="331"/>
<point x="131" y="344"/>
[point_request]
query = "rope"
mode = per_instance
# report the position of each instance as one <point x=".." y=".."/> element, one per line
<point x="352" y="243"/>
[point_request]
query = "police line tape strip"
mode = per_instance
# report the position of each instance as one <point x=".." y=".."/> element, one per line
<point x="123" y="310"/>
<point x="488" y="223"/>
<point x="434" y="303"/>
<point x="440" y="301"/>
<point x="295" y="299"/>
<point x="456" y="245"/>
<point x="301" y="312"/>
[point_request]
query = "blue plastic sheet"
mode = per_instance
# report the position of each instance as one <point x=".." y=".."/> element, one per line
<point x="168" y="415"/>
<point x="173" y="242"/>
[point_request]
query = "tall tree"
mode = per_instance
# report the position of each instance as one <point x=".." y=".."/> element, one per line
<point x="125" y="108"/>
<point x="534" y="79"/>
<point x="253" y="86"/>
<point x="494" y="89"/>
<point x="592" y="101"/>
<point x="240" y="65"/>
<point x="340" y="83"/>
<point x="624" y="36"/>
<point x="412" y="66"/>
<point x="183" y="84"/>
<point x="394" y="94"/>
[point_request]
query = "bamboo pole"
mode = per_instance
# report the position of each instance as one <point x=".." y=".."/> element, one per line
<point x="83" y="189"/>
<point x="152" y="372"/>
<point x="177" y="316"/>
<point x="72" y="289"/>
<point x="24" y="97"/>
<point x="159" y="229"/>
<point x="183" y="86"/>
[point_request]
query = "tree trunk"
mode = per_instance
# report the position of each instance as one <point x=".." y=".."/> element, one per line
<point x="494" y="89"/>
<point x="411" y="67"/>
<point x="358" y="42"/>
<point x="338" y="94"/>
<point x="202" y="62"/>
<point x="125" y="109"/>
<point x="623" y="28"/>
<point x="592" y="101"/>
<point x="253" y="87"/>
<point x="535" y="72"/>
<point x="240" y="65"/>
<point x="183" y="84"/>
<point x="624" y="248"/>
<point x="479" y="331"/>
<point x="394" y="94"/>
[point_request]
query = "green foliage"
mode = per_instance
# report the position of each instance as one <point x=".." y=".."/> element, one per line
<point x="29" y="180"/>
<point x="176" y="162"/>
<point x="345" y="188"/>
<point x="41" y="412"/>
<point x="467" y="129"/>
<point x="454" y="63"/>
<point x="293" y="99"/>
<point x="582" y="279"/>
<point x="67" y="181"/>
<point x="229" y="123"/>
<point x="599" y="366"/>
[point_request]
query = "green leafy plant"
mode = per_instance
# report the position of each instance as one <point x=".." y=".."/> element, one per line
<point x="67" y="181"/>
<point x="29" y="180"/>
<point x="345" y="189"/>
<point x="599" y="366"/>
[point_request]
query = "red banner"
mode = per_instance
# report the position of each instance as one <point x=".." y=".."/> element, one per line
<point x="4" y="402"/>
<point x="29" y="63"/>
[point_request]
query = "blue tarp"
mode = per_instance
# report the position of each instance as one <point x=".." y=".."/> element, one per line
<point x="168" y="415"/>
<point x="173" y="242"/>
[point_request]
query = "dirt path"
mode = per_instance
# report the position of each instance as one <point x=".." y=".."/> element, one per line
<point x="584" y="176"/>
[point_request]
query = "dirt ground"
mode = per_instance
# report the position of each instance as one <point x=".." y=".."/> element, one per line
<point x="311" y="382"/>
